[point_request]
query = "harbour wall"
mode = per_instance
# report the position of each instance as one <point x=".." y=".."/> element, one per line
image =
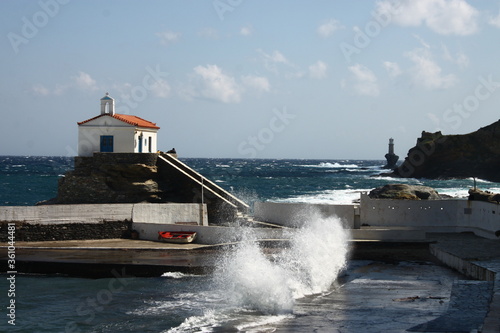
<point x="454" y="215"/>
<point x="94" y="221"/>
<point x="374" y="219"/>
<point x="407" y="216"/>
<point x="295" y="215"/>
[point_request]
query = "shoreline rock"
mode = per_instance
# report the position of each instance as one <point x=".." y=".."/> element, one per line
<point x="404" y="192"/>
<point x="487" y="196"/>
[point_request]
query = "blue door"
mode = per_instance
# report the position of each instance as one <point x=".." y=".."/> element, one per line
<point x="140" y="144"/>
<point x="106" y="143"/>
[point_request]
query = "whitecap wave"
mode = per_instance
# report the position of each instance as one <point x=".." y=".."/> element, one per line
<point x="397" y="179"/>
<point x="340" y="197"/>
<point x="331" y="165"/>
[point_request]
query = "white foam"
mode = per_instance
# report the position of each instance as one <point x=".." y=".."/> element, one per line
<point x="479" y="180"/>
<point x="177" y="275"/>
<point x="398" y="179"/>
<point x="202" y="323"/>
<point x="341" y="197"/>
<point x="317" y="254"/>
<point x="262" y="323"/>
<point x="454" y="192"/>
<point x="252" y="281"/>
<point x="330" y="165"/>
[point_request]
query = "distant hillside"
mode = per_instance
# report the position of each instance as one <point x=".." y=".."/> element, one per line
<point x="437" y="156"/>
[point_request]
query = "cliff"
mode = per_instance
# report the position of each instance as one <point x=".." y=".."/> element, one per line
<point x="438" y="156"/>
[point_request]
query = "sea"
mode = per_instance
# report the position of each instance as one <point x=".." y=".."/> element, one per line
<point x="312" y="286"/>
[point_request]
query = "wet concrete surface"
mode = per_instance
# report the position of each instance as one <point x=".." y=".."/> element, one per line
<point x="419" y="297"/>
<point x="378" y="297"/>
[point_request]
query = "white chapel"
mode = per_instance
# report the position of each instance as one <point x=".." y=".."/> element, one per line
<point x="111" y="132"/>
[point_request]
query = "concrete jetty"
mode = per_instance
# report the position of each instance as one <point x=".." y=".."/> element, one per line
<point x="457" y="233"/>
<point x="473" y="256"/>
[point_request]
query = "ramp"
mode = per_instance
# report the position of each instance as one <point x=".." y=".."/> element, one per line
<point x="204" y="184"/>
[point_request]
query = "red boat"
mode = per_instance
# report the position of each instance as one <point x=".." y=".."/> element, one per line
<point x="176" y="236"/>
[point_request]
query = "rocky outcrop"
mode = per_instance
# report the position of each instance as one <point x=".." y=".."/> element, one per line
<point x="479" y="195"/>
<point x="438" y="156"/>
<point x="392" y="160"/>
<point x="143" y="177"/>
<point x="404" y="192"/>
<point x="109" y="183"/>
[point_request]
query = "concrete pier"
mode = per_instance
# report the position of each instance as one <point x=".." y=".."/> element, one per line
<point x="479" y="259"/>
<point x="471" y="255"/>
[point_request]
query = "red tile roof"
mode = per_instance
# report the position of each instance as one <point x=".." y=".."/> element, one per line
<point x="129" y="119"/>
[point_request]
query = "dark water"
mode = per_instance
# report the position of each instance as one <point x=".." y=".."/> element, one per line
<point x="249" y="293"/>
<point x="27" y="180"/>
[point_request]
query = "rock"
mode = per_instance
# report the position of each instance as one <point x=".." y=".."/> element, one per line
<point x="392" y="160"/>
<point x="129" y="171"/>
<point x="438" y="156"/>
<point x="109" y="183"/>
<point x="404" y="192"/>
<point x="479" y="195"/>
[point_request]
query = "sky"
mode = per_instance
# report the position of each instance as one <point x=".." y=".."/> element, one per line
<point x="250" y="79"/>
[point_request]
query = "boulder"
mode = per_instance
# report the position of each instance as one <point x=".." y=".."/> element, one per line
<point x="404" y="192"/>
<point x="479" y="195"/>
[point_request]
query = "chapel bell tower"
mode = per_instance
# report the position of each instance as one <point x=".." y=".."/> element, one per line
<point x="107" y="105"/>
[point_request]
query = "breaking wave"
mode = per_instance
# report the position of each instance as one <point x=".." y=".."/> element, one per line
<point x="271" y="283"/>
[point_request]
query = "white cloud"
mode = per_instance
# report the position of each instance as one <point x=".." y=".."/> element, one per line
<point x="276" y="57"/>
<point x="85" y="81"/>
<point x="365" y="81"/>
<point x="246" y="31"/>
<point x="318" y="70"/>
<point x="495" y="21"/>
<point x="216" y="85"/>
<point x="422" y="41"/>
<point x="259" y="83"/>
<point x="161" y="88"/>
<point x="392" y="68"/>
<point x="459" y="59"/>
<point x="168" y="37"/>
<point x="276" y="63"/>
<point x="81" y="81"/>
<point x="327" y="29"/>
<point x="427" y="73"/>
<point x="446" y="17"/>
<point x="41" y="90"/>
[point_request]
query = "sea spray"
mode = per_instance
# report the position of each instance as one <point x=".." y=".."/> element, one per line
<point x="318" y="253"/>
<point x="250" y="280"/>
<point x="270" y="284"/>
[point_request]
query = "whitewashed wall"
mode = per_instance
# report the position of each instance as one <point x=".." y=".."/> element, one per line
<point x="89" y="136"/>
<point x="95" y="213"/>
<point x="125" y="137"/>
<point x="146" y="136"/>
<point x="482" y="218"/>
<point x="296" y="214"/>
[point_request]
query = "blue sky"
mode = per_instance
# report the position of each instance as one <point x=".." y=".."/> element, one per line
<point x="250" y="79"/>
